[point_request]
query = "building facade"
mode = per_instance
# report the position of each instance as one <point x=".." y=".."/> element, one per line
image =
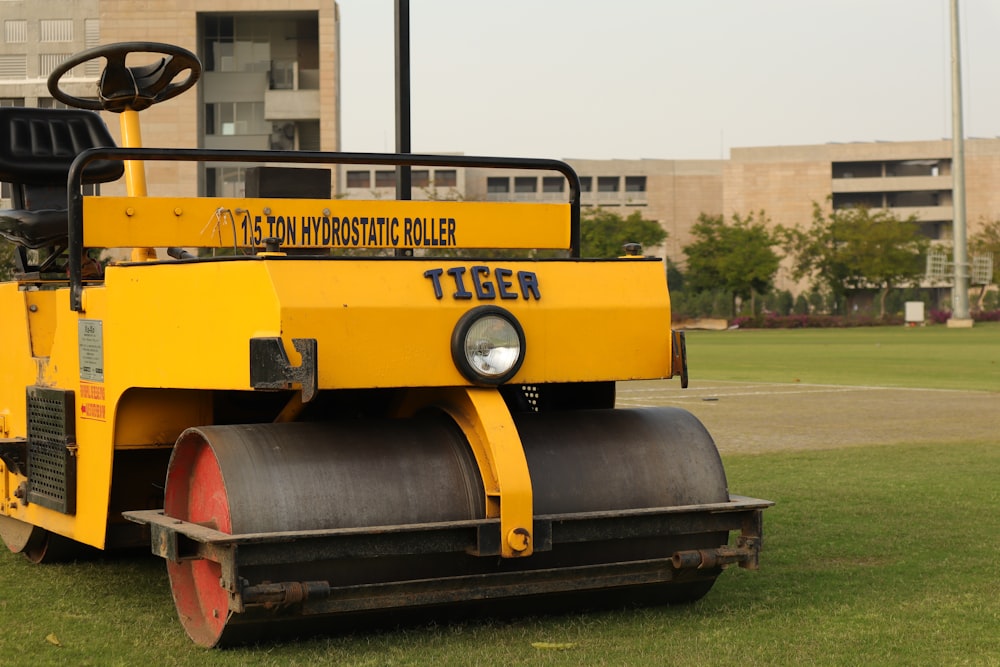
<point x="271" y="74"/>
<point x="272" y="81"/>
<point x="670" y="192"/>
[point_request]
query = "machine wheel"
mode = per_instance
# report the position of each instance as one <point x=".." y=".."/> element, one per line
<point x="421" y="470"/>
<point x="303" y="476"/>
<point x="39" y="545"/>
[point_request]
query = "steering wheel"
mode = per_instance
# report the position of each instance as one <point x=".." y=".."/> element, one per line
<point x="121" y="88"/>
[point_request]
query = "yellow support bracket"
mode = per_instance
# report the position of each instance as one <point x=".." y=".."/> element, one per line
<point x="487" y="424"/>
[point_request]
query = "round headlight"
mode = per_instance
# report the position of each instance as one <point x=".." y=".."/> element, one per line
<point x="488" y="345"/>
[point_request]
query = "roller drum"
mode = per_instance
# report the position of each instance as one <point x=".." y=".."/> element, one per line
<point x="365" y="474"/>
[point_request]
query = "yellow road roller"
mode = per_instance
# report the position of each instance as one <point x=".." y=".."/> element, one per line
<point x="318" y="410"/>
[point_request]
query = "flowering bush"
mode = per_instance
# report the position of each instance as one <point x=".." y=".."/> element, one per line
<point x="942" y="316"/>
<point x="771" y="321"/>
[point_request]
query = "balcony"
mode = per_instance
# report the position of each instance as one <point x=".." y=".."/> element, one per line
<point x="924" y="213"/>
<point x="291" y="105"/>
<point x="892" y="184"/>
<point x="614" y="199"/>
<point x="293" y="93"/>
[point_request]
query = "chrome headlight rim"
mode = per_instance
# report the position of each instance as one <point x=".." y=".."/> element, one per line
<point x="458" y="345"/>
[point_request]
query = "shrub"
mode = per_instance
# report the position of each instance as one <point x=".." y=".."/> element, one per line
<point x="942" y="316"/>
<point x="772" y="321"/>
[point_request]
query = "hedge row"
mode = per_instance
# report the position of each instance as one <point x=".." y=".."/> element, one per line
<point x="772" y="321"/>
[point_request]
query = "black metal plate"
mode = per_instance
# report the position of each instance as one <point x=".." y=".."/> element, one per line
<point x="52" y="449"/>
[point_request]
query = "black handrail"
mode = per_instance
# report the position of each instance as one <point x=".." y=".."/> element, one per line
<point x="75" y="188"/>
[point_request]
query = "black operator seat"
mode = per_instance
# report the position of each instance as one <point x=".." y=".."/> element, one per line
<point x="37" y="147"/>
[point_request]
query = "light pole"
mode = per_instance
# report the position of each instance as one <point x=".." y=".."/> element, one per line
<point x="960" y="292"/>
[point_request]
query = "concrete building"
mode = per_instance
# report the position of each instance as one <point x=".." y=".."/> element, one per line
<point x="912" y="178"/>
<point x="272" y="81"/>
<point x="38" y="36"/>
<point x="271" y="78"/>
<point x="671" y="192"/>
<point x="907" y="178"/>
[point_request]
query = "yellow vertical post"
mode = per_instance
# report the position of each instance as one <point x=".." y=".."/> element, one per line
<point x="135" y="171"/>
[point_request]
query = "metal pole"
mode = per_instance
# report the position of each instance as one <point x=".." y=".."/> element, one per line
<point x="960" y="292"/>
<point x="403" y="179"/>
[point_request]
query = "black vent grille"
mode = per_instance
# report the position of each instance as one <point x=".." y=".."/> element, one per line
<point x="51" y="449"/>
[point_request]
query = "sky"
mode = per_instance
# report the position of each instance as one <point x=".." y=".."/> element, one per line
<point x="665" y="79"/>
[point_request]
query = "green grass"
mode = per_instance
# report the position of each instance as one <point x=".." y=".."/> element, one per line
<point x="875" y="555"/>
<point x="882" y="555"/>
<point x="931" y="357"/>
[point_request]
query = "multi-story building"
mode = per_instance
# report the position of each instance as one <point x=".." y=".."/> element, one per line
<point x="671" y="192"/>
<point x="38" y="36"/>
<point x="907" y="178"/>
<point x="272" y="78"/>
<point x="913" y="178"/>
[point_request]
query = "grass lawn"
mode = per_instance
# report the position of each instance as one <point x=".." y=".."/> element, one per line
<point x="875" y="555"/>
<point x="930" y="357"/>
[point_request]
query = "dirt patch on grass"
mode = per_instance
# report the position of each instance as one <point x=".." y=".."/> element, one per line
<point x="761" y="417"/>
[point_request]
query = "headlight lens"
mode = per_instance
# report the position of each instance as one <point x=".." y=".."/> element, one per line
<point x="488" y="345"/>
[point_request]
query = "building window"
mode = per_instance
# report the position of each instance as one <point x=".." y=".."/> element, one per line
<point x="50" y="103"/>
<point x="607" y="183"/>
<point x="92" y="38"/>
<point x="14" y="66"/>
<point x="308" y="134"/>
<point x="282" y="74"/>
<point x="11" y="102"/>
<point x="49" y="61"/>
<point x="922" y="198"/>
<point x="586" y="184"/>
<point x="282" y="136"/>
<point x="56" y="30"/>
<point x="385" y="179"/>
<point x="445" y="178"/>
<point x="237" y="44"/>
<point x="635" y="184"/>
<point x="914" y="168"/>
<point x="358" y="179"/>
<point x="218" y="43"/>
<point x="857" y="200"/>
<point x="498" y="184"/>
<point x="226" y="182"/>
<point x="236" y="119"/>
<point x="857" y="169"/>
<point x="15" y="31"/>
<point x="420" y="178"/>
<point x="525" y="184"/>
<point x="553" y="184"/>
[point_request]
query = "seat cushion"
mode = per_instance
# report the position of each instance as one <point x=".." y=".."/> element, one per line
<point x="34" y="229"/>
<point x="37" y="146"/>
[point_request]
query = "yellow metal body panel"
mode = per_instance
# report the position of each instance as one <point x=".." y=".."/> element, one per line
<point x="58" y="369"/>
<point x="170" y="332"/>
<point x="376" y="323"/>
<point x="121" y="222"/>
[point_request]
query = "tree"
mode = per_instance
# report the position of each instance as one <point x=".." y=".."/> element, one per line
<point x="603" y="233"/>
<point x="856" y="248"/>
<point x="987" y="241"/>
<point x="737" y="257"/>
<point x="6" y="260"/>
